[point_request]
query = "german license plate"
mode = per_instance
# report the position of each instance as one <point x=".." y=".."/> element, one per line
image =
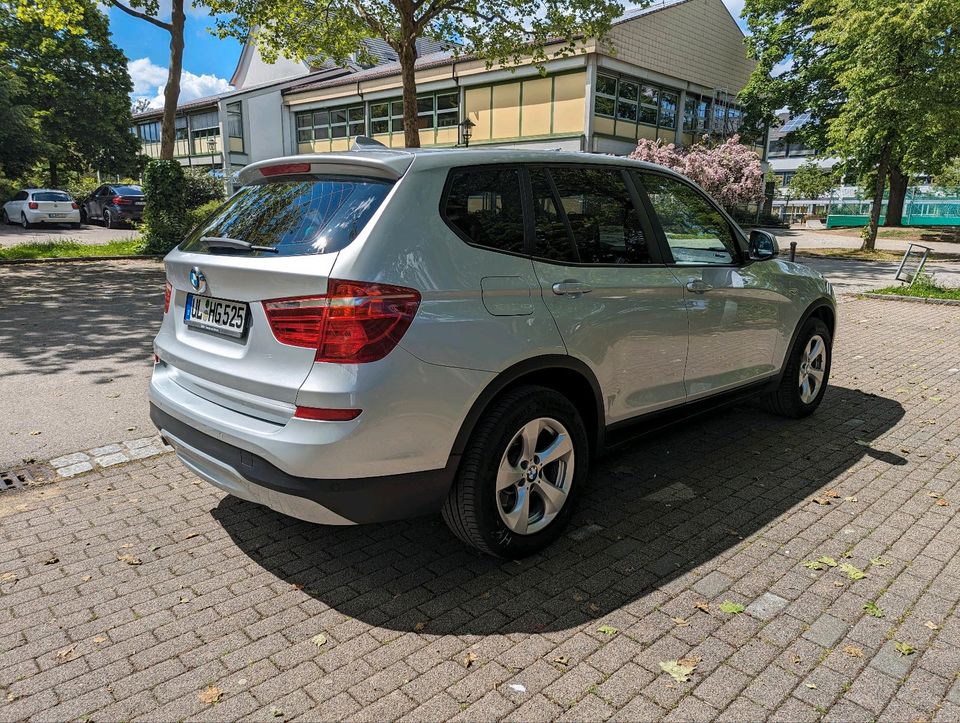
<point x="216" y="315"/>
<point x="57" y="215"/>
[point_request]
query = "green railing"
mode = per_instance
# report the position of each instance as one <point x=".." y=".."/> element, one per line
<point x="922" y="208"/>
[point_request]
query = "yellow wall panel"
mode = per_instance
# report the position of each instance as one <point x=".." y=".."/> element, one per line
<point x="535" y="120"/>
<point x="477" y="109"/>
<point x="602" y="125"/>
<point x="506" y="111"/>
<point x="396" y="140"/>
<point x="340" y="144"/>
<point x="426" y="137"/>
<point x="646" y="132"/>
<point x="568" y="103"/>
<point x="625" y="129"/>
<point x="447" y="136"/>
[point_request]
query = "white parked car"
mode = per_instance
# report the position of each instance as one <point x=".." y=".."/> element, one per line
<point x="41" y="205"/>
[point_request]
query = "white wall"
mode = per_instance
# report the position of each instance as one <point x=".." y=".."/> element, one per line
<point x="263" y="126"/>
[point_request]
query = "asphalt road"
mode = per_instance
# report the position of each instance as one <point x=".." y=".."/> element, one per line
<point x="75" y="355"/>
<point x="88" y="233"/>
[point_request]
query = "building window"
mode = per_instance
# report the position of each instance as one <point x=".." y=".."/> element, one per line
<point x="235" y="122"/>
<point x="322" y="125"/>
<point x="648" y="105"/>
<point x="630" y="100"/>
<point x="668" y="109"/>
<point x="437" y="110"/>
<point x="606" y="100"/>
<point x="149" y="132"/>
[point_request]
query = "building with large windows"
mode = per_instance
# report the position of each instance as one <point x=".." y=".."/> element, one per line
<point x="670" y="71"/>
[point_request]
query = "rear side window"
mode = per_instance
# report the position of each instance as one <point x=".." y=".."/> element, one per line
<point x="51" y="196"/>
<point x="315" y="215"/>
<point x="484" y="206"/>
<point x="128" y="190"/>
<point x="601" y="214"/>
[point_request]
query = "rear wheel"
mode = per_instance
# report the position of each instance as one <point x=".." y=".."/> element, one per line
<point x="527" y="459"/>
<point x="23" y="221"/>
<point x="806" y="374"/>
<point x="108" y="220"/>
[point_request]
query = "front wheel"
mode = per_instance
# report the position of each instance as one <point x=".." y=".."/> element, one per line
<point x="6" y="219"/>
<point x="806" y="374"/>
<point x="524" y="464"/>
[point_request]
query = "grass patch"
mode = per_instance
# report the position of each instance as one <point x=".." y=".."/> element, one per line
<point x="924" y="288"/>
<point x="68" y="248"/>
<point x="875" y="255"/>
<point x="919" y="234"/>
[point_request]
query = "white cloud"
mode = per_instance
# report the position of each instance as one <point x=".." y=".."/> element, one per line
<point x="149" y="79"/>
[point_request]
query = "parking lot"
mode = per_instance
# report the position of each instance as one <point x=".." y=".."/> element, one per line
<point x="794" y="570"/>
<point x="11" y="235"/>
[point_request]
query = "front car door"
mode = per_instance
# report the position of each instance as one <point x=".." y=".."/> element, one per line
<point x="618" y="308"/>
<point x="733" y="313"/>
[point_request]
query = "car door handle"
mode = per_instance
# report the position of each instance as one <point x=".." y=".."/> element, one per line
<point x="571" y="287"/>
<point x="698" y="286"/>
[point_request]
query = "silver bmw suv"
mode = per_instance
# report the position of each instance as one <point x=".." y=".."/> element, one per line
<point x="379" y="334"/>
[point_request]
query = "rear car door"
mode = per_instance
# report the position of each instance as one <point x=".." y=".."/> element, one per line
<point x="732" y="314"/>
<point x="618" y="307"/>
<point x="94" y="203"/>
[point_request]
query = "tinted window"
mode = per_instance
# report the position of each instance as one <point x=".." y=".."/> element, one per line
<point x="553" y="238"/>
<point x="128" y="190"/>
<point x="604" y="223"/>
<point x="696" y="231"/>
<point x="51" y="196"/>
<point x="315" y="216"/>
<point x="22" y="196"/>
<point x="484" y="205"/>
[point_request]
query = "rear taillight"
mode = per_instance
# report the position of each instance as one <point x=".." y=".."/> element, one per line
<point x="121" y="201"/>
<point x="353" y="323"/>
<point x="33" y="205"/>
<point x="74" y="205"/>
<point x="167" y="293"/>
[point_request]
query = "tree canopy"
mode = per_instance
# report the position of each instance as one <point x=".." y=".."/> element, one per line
<point x="499" y="31"/>
<point x="75" y="82"/>
<point x="811" y="181"/>
<point x="879" y="78"/>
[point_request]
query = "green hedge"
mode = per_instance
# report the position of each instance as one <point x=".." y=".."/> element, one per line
<point x="165" y="215"/>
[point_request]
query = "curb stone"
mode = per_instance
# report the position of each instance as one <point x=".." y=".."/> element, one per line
<point x="912" y="299"/>
<point x="70" y="465"/>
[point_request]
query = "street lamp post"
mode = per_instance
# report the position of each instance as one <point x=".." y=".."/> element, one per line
<point x="466" y="131"/>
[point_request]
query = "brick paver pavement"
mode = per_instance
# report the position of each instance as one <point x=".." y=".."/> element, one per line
<point x="226" y="594"/>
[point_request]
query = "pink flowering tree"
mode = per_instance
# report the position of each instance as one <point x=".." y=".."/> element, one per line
<point x="730" y="171"/>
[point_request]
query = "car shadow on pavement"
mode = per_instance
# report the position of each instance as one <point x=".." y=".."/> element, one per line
<point x="53" y="314"/>
<point x="666" y="505"/>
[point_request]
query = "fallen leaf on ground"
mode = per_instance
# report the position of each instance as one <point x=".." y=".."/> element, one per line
<point x="191" y="535"/>
<point x="126" y="546"/>
<point x="854" y="573"/>
<point x="8" y="577"/>
<point x="822" y="500"/>
<point x="276" y="712"/>
<point x="470" y="659"/>
<point x="853" y="651"/>
<point x="942" y="503"/>
<point x="12" y="697"/>
<point x="933" y="494"/>
<point x="100" y="639"/>
<point x="732" y="607"/>
<point x="851" y="498"/>
<point x="154" y="548"/>
<point x="879" y="561"/>
<point x="814" y="565"/>
<point x="66" y="653"/>
<point x="87" y="578"/>
<point x="681" y="622"/>
<point x="795" y="659"/>
<point x="319" y="640"/>
<point x="832" y="494"/>
<point x="211" y="695"/>
<point x="51" y="560"/>
<point x="562" y="660"/>
<point x="594" y="608"/>
<point x="517" y="688"/>
<point x="828" y="561"/>
<point x="34" y="434"/>
<point x="607" y="630"/>
<point x="837" y="583"/>
<point x="812" y="686"/>
<point x="419" y="627"/>
<point x="679" y="670"/>
<point x="904" y="648"/>
<point x="702" y="606"/>
<point x="184" y="599"/>
<point x="932" y="625"/>
<point x="130" y="559"/>
<point x="873" y="609"/>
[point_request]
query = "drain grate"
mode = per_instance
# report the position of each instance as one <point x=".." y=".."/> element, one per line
<point x="17" y="479"/>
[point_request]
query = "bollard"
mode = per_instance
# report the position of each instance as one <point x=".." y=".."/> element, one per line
<point x="793" y="251"/>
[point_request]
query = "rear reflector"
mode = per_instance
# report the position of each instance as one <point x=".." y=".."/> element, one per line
<point x="167" y="293"/>
<point x="327" y="415"/>
<point x="285" y="168"/>
<point x="353" y="323"/>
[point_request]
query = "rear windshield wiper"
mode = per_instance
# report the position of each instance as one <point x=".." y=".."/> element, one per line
<point x="224" y="242"/>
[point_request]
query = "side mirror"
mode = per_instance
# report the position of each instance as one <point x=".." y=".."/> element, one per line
<point x="763" y="245"/>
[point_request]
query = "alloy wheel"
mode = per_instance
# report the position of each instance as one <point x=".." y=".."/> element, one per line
<point x="813" y="363"/>
<point x="535" y="475"/>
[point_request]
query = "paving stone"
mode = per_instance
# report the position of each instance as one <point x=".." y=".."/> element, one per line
<point x="826" y="631"/>
<point x="890" y="662"/>
<point x="104" y="450"/>
<point x="69" y="459"/>
<point x="74" y="469"/>
<point x="108" y="460"/>
<point x="767" y="606"/>
<point x="712" y="584"/>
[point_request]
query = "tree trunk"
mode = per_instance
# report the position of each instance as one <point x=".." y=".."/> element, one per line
<point x="408" y="59"/>
<point x="54" y="174"/>
<point x="171" y="92"/>
<point x="898" y="194"/>
<point x="870" y="239"/>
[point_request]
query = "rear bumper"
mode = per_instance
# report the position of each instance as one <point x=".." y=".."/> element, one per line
<point x="324" y="501"/>
<point x="125" y="213"/>
<point x="43" y="217"/>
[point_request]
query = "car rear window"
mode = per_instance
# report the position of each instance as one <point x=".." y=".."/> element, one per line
<point x="128" y="190"/>
<point x="318" y="215"/>
<point x="51" y="196"/>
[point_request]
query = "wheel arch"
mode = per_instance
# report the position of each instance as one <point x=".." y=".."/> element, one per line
<point x="823" y="309"/>
<point x="565" y="374"/>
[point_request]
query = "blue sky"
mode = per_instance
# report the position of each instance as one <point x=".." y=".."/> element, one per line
<point x="208" y="62"/>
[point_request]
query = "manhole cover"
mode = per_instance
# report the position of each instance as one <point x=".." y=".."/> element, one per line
<point x="20" y="477"/>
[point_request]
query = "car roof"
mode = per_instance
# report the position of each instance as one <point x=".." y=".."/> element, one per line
<point x="44" y="190"/>
<point x="393" y="163"/>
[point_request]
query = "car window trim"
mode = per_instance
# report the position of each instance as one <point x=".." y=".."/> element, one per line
<point x="645" y="224"/>
<point x="525" y="209"/>
<point x="738" y="262"/>
<point x="561" y="213"/>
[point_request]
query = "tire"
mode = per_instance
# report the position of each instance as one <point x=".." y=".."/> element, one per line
<point x="6" y="219"/>
<point x="83" y="214"/>
<point x="24" y="222"/>
<point x="792" y="398"/>
<point x="493" y="521"/>
<point x="108" y="220"/>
